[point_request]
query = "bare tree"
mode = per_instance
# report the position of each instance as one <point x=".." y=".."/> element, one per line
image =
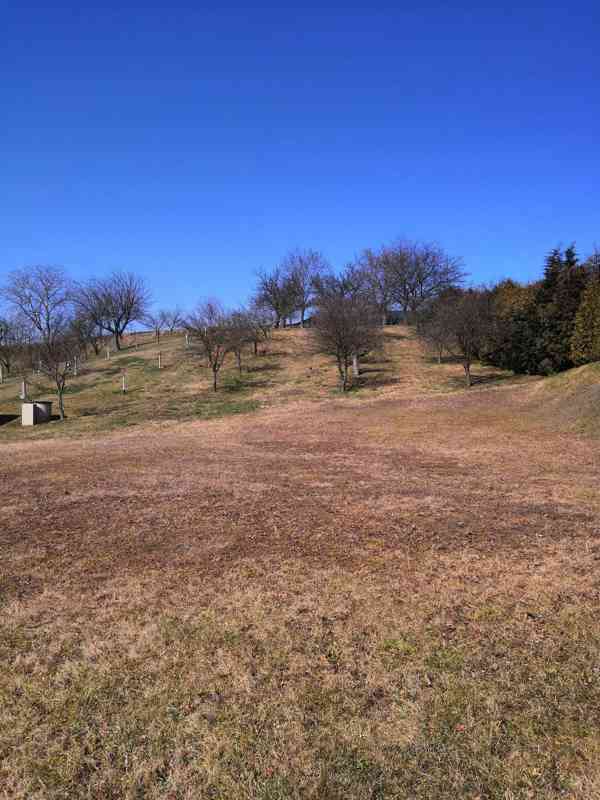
<point x="156" y="322"/>
<point x="420" y="272"/>
<point x="209" y="326"/>
<point x="347" y="327"/>
<point x="13" y="335"/>
<point x="114" y="302"/>
<point x="302" y="269"/>
<point x="468" y="323"/>
<point x="434" y="325"/>
<point x="42" y="295"/>
<point x="241" y="333"/>
<point x="87" y="333"/>
<point x="275" y="291"/>
<point x="261" y="323"/>
<point x="372" y="270"/>
<point x="172" y="318"/>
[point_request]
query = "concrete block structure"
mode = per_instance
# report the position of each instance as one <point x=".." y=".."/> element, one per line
<point x="36" y="412"/>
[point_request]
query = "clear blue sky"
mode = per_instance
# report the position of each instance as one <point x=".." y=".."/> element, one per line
<point x="194" y="143"/>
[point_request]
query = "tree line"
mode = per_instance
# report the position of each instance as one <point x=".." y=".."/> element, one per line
<point x="51" y="323"/>
<point x="536" y="328"/>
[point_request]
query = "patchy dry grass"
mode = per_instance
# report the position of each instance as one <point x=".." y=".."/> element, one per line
<point x="392" y="595"/>
<point x="287" y="370"/>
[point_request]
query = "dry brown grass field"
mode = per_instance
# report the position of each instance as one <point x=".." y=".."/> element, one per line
<point x="283" y="592"/>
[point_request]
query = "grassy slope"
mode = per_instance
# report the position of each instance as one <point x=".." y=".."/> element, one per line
<point x="392" y="595"/>
<point x="288" y="371"/>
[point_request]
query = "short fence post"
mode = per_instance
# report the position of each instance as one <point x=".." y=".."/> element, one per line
<point x="107" y="353"/>
<point x="159" y="359"/>
<point x="124" y="383"/>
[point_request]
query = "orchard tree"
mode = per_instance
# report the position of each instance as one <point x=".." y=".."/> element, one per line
<point x="42" y="296"/>
<point x="347" y="327"/>
<point x="301" y="270"/>
<point x="114" y="303"/>
<point x="276" y="292"/>
<point x="467" y="319"/>
<point x="209" y="326"/>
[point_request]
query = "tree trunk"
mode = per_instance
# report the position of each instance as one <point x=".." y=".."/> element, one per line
<point x="255" y="347"/>
<point x="345" y="379"/>
<point x="467" y="369"/>
<point x="302" y="318"/>
<point x="238" y="357"/>
<point x="117" y="340"/>
<point x="439" y="355"/>
<point x="214" y="380"/>
<point x="61" y="404"/>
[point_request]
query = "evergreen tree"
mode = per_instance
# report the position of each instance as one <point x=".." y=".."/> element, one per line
<point x="557" y="301"/>
<point x="585" y="342"/>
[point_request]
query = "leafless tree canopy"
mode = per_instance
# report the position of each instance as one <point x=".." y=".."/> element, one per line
<point x="172" y="318"/>
<point x="460" y="322"/>
<point x="42" y="296"/>
<point x="405" y="275"/>
<point x="346" y="326"/>
<point x="209" y="327"/>
<point x="115" y="302"/>
<point x="302" y="269"/>
<point x="275" y="292"/>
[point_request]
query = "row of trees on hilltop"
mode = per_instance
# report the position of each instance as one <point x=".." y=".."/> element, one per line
<point x="537" y="328"/>
<point x="395" y="280"/>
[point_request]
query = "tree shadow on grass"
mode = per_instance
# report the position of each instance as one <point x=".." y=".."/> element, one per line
<point x="263" y="368"/>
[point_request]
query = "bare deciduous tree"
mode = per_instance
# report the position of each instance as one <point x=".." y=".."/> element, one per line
<point x="115" y="302"/>
<point x="173" y="318"/>
<point x="275" y="291"/>
<point x="209" y="326"/>
<point x="420" y="272"/>
<point x="302" y="269"/>
<point x="467" y="320"/>
<point x="42" y="295"/>
<point x="347" y="327"/>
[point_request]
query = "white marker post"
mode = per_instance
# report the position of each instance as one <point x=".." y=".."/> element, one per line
<point x="75" y="366"/>
<point x="1" y="375"/>
<point x="159" y="360"/>
<point x="187" y="340"/>
<point x="124" y="383"/>
<point x="107" y="353"/>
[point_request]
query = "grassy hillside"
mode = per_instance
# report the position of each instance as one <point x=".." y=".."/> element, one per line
<point x="287" y="370"/>
<point x="390" y="595"/>
<point x="571" y="399"/>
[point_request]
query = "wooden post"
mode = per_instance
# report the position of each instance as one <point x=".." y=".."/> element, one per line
<point x="107" y="353"/>
<point x="124" y="383"/>
<point x="1" y="374"/>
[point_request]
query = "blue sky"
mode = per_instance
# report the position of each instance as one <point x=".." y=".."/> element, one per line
<point x="195" y="143"/>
